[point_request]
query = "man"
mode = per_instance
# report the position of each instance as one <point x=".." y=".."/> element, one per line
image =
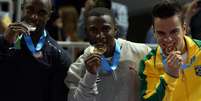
<point x="172" y="72"/>
<point x="107" y="71"/>
<point x="119" y="11"/>
<point x="33" y="66"/>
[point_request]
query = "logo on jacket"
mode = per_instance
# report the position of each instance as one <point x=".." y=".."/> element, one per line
<point x="198" y="70"/>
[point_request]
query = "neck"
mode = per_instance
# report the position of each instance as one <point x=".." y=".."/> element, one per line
<point x="183" y="47"/>
<point x="36" y="35"/>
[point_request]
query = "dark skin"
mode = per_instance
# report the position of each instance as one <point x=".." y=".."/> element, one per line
<point x="35" y="13"/>
<point x="101" y="31"/>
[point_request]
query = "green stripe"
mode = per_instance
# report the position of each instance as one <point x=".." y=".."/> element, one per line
<point x="141" y="72"/>
<point x="160" y="92"/>
<point x="158" y="96"/>
<point x="197" y="42"/>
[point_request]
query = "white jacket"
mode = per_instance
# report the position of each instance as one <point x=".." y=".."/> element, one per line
<point x="123" y="87"/>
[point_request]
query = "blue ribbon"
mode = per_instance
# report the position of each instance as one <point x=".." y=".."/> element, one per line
<point x="105" y="66"/>
<point x="39" y="45"/>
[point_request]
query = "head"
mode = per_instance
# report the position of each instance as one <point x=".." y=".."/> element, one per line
<point x="101" y="29"/>
<point x="169" y="26"/>
<point x="36" y="12"/>
<point x="89" y="4"/>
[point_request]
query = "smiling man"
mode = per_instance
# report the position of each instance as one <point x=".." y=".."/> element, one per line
<point x="32" y="64"/>
<point x="107" y="71"/>
<point x="172" y="71"/>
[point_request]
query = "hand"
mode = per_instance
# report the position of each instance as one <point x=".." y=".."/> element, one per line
<point x="174" y="62"/>
<point x="93" y="62"/>
<point x="13" y="31"/>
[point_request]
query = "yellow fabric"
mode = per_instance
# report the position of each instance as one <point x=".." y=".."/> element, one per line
<point x="6" y="20"/>
<point x="185" y="88"/>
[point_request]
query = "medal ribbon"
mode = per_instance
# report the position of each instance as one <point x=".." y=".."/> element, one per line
<point x="105" y="66"/>
<point x="39" y="45"/>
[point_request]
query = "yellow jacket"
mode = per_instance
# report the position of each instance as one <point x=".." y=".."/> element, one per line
<point x="156" y="85"/>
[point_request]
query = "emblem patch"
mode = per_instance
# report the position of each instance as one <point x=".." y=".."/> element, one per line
<point x="198" y="70"/>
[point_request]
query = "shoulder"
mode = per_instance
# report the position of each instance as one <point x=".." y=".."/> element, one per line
<point x="149" y="57"/>
<point x="137" y="47"/>
<point x="197" y="42"/>
<point x="54" y="49"/>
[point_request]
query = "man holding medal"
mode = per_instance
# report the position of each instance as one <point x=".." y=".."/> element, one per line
<point x="32" y="65"/>
<point x="172" y="71"/>
<point x="107" y="71"/>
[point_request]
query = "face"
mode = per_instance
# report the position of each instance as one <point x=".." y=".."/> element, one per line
<point x="36" y="12"/>
<point x="169" y="33"/>
<point x="101" y="31"/>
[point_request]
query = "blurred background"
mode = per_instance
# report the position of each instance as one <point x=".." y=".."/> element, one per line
<point x="139" y="14"/>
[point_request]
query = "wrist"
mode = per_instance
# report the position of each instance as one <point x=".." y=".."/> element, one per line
<point x="172" y="72"/>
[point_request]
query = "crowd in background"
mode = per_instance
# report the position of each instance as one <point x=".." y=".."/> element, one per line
<point x="104" y="24"/>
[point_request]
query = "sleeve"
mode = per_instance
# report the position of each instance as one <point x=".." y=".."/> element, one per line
<point x="58" y="90"/>
<point x="82" y="85"/>
<point x="155" y="87"/>
<point x="4" y="49"/>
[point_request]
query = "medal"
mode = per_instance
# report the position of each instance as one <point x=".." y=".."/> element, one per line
<point x="38" y="55"/>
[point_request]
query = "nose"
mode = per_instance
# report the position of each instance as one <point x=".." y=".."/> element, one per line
<point x="100" y="35"/>
<point x="34" y="16"/>
<point x="168" y="39"/>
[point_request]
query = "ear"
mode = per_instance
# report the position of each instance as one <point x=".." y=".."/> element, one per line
<point x="186" y="28"/>
<point x="154" y="32"/>
<point x="116" y="32"/>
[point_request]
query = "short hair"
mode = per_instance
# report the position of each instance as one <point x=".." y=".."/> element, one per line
<point x="103" y="3"/>
<point x="100" y="11"/>
<point x="167" y="8"/>
<point x="48" y="1"/>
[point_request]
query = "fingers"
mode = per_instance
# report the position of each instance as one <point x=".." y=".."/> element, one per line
<point x="93" y="63"/>
<point x="174" y="59"/>
<point x="13" y="31"/>
<point x="18" y="27"/>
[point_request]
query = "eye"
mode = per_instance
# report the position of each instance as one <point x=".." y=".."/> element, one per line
<point x="92" y="31"/>
<point x="160" y="34"/>
<point x="29" y="10"/>
<point x="43" y="12"/>
<point x="106" y="29"/>
<point x="175" y="32"/>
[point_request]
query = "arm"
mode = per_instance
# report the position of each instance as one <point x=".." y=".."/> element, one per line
<point x="81" y="83"/>
<point x="155" y="87"/>
<point x="8" y="39"/>
<point x="4" y="49"/>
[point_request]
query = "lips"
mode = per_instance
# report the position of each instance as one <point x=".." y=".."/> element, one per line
<point x="167" y="48"/>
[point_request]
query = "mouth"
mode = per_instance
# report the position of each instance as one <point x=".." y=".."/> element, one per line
<point x="168" y="48"/>
<point x="30" y="26"/>
<point x="100" y="48"/>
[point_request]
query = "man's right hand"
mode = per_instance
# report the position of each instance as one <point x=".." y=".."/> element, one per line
<point x="13" y="31"/>
<point x="93" y="62"/>
<point x="174" y="62"/>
